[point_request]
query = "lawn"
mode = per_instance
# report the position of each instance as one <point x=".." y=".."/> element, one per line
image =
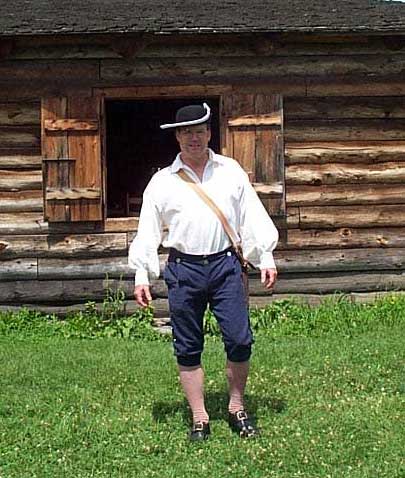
<point x="330" y="405"/>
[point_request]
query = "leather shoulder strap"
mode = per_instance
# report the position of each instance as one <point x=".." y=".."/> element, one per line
<point x="210" y="203"/>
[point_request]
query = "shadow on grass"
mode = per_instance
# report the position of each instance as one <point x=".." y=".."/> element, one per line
<point x="217" y="406"/>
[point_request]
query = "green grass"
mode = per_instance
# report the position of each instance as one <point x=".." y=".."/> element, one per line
<point x="329" y="403"/>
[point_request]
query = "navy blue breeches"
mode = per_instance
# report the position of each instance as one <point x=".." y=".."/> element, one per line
<point x="195" y="282"/>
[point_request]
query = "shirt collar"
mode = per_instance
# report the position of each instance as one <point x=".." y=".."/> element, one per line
<point x="178" y="163"/>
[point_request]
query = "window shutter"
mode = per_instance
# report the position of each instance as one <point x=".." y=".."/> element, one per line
<point x="71" y="150"/>
<point x="254" y="137"/>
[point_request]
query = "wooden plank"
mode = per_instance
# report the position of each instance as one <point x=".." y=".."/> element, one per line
<point x="288" y="262"/>
<point x="204" y="68"/>
<point x="168" y="91"/>
<point x="22" y="223"/>
<point x="35" y="91"/>
<point x="261" y="45"/>
<point x="55" y="246"/>
<point x="19" y="137"/>
<point x="20" y="162"/>
<point x="65" y="269"/>
<point x="269" y="162"/>
<point x="21" y="201"/>
<point x="244" y="146"/>
<point x="18" y="269"/>
<point x="20" y="113"/>
<point x="355" y="85"/>
<point x="333" y="260"/>
<point x="351" y="151"/>
<point x="71" y="125"/>
<point x="42" y="70"/>
<point x="85" y="51"/>
<point x="346" y="237"/>
<point x="352" y="216"/>
<point x="344" y="107"/>
<point x="283" y="85"/>
<point x="20" y="180"/>
<point x="272" y="119"/>
<point x="77" y="290"/>
<point x="268" y="190"/>
<point x="333" y="195"/>
<point x="243" y="142"/>
<point x="335" y="173"/>
<point x="86" y="148"/>
<point x="333" y="282"/>
<point x="72" y="193"/>
<point x="344" y="130"/>
<point x="55" y="146"/>
<point x="33" y="223"/>
<point x="299" y="43"/>
<point x="312" y="283"/>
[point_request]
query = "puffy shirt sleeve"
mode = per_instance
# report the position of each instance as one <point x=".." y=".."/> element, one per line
<point x="258" y="233"/>
<point x="143" y="252"/>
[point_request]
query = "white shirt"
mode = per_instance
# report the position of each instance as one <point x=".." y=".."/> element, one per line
<point x="173" y="215"/>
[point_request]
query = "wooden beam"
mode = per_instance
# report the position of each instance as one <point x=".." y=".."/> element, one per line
<point x="71" y="125"/>
<point x="345" y="130"/>
<point x="20" y="180"/>
<point x="20" y="162"/>
<point x="77" y="290"/>
<point x="344" y="152"/>
<point x="268" y="190"/>
<point x="342" y="194"/>
<point x="252" y="67"/>
<point x="54" y="194"/>
<point x="22" y="201"/>
<point x="355" y="85"/>
<point x="352" y="216"/>
<point x="58" y="246"/>
<point x="20" y="113"/>
<point x="361" y="107"/>
<point x="345" y="260"/>
<point x="145" y="92"/>
<point x="20" y="136"/>
<point x="336" y="173"/>
<point x="18" y="269"/>
<point x="346" y="238"/>
<point x="256" y="120"/>
<point x="51" y="71"/>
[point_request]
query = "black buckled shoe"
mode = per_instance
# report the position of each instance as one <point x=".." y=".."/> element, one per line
<point x="200" y="431"/>
<point x="242" y="424"/>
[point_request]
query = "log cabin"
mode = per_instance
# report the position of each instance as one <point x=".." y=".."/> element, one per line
<point x="308" y="97"/>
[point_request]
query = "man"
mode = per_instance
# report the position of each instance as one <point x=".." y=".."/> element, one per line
<point x="202" y="268"/>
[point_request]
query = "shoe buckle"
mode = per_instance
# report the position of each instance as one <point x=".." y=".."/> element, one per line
<point x="241" y="415"/>
<point x="198" y="427"/>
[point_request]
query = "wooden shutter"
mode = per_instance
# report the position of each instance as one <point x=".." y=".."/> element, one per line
<point x="72" y="159"/>
<point x="254" y="137"/>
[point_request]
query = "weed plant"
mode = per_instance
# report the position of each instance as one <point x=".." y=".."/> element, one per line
<point x="338" y="315"/>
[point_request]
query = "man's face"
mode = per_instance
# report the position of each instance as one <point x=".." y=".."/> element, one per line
<point x="193" y="140"/>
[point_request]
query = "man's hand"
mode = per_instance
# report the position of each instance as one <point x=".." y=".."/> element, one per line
<point x="142" y="295"/>
<point x="269" y="277"/>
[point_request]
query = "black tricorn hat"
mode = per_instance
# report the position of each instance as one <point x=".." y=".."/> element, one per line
<point x="190" y="115"/>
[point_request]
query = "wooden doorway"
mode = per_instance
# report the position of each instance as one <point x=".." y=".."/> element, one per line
<point x="136" y="147"/>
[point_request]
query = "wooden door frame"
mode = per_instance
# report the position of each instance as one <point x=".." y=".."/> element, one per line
<point x="151" y="93"/>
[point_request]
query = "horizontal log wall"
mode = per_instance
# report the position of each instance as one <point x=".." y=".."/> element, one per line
<point x="344" y="110"/>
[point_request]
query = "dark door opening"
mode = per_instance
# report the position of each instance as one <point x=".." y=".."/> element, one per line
<point x="136" y="147"/>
